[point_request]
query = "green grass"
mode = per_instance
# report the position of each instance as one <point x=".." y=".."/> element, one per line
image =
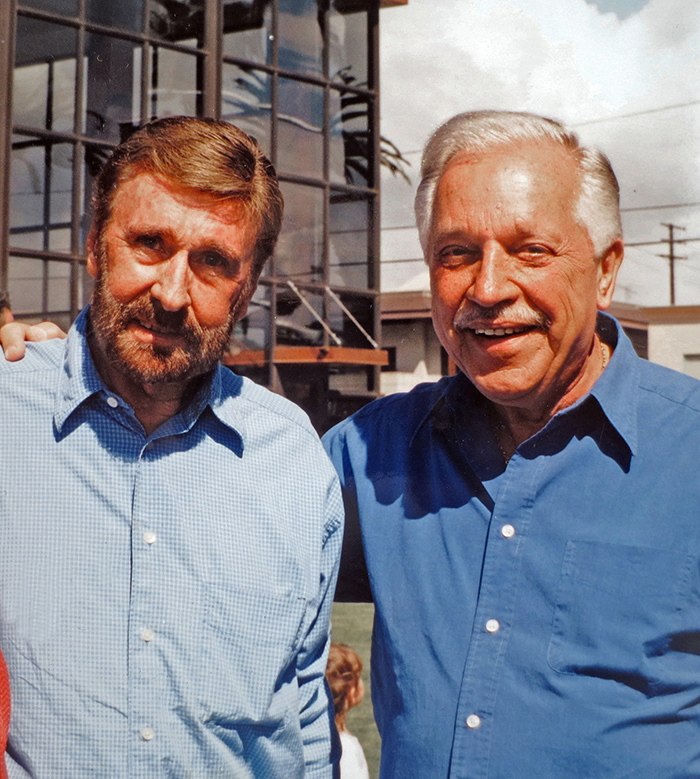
<point x="352" y="625"/>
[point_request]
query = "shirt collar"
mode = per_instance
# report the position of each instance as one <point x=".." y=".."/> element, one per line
<point x="615" y="391"/>
<point x="79" y="380"/>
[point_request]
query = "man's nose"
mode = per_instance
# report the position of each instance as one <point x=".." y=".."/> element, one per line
<point x="492" y="283"/>
<point x="172" y="285"/>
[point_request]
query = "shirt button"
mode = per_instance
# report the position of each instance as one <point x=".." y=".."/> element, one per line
<point x="147" y="634"/>
<point x="492" y="625"/>
<point x="149" y="537"/>
<point x="473" y="721"/>
<point x="147" y="734"/>
<point x="112" y="402"/>
<point x="507" y="531"/>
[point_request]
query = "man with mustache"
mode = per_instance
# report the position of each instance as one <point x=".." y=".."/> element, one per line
<point x="170" y="531"/>
<point x="529" y="529"/>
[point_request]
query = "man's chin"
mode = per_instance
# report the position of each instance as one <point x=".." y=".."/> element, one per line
<point x="149" y="367"/>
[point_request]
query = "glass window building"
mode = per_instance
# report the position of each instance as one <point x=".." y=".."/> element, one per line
<point x="300" y="76"/>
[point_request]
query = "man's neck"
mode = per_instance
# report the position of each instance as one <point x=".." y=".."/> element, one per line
<point x="514" y="424"/>
<point x="153" y="404"/>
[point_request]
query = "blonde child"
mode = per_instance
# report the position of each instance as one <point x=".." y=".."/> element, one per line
<point x="343" y="674"/>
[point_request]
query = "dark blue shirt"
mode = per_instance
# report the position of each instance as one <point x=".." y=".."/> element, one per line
<point x="540" y="620"/>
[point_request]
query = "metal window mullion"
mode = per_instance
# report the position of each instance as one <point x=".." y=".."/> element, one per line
<point x="78" y="198"/>
<point x="271" y="344"/>
<point x="325" y="240"/>
<point x="374" y="213"/>
<point x="213" y="56"/>
<point x="8" y="26"/>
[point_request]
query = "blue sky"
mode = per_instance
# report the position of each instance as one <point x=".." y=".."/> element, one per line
<point x="624" y="73"/>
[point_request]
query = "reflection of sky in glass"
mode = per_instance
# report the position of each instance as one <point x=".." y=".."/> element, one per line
<point x="245" y="101"/>
<point x="300" y="128"/>
<point x="300" y="41"/>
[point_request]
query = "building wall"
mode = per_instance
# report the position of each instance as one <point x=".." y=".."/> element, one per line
<point x="418" y="354"/>
<point x="675" y="345"/>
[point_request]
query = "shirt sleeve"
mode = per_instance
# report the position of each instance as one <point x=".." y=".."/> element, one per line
<point x="319" y="737"/>
<point x="353" y="579"/>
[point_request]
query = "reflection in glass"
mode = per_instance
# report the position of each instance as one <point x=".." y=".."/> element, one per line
<point x="347" y="28"/>
<point x="178" y="21"/>
<point x="300" y="248"/>
<point x="245" y="101"/>
<point x="113" y="91"/>
<point x="348" y="250"/>
<point x="247" y="29"/>
<point x="25" y="278"/>
<point x="44" y="76"/>
<point x="41" y="190"/>
<point x="65" y="7"/>
<point x="174" y="88"/>
<point x="343" y="326"/>
<point x="300" y="128"/>
<point x="252" y="331"/>
<point x="295" y="323"/>
<point x="350" y="147"/>
<point x="300" y="37"/>
<point x="58" y="286"/>
<point x="127" y="14"/>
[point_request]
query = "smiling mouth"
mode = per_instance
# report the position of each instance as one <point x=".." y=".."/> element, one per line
<point x="499" y="332"/>
<point x="151" y="327"/>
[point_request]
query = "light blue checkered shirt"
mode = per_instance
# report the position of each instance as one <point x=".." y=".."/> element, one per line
<point x="164" y="600"/>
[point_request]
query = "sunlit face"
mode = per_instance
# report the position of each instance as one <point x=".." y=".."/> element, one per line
<point x="173" y="269"/>
<point x="514" y="278"/>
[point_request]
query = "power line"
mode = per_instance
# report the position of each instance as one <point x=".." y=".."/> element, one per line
<point x="637" y="113"/>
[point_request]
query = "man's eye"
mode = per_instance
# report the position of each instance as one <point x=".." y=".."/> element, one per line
<point x="453" y="256"/>
<point x="149" y="241"/>
<point x="213" y="260"/>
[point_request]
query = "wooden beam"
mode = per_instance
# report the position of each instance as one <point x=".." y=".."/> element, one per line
<point x="327" y="355"/>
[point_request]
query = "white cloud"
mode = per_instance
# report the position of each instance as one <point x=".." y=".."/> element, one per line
<point x="571" y="61"/>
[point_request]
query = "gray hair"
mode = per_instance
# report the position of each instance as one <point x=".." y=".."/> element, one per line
<point x="598" y="207"/>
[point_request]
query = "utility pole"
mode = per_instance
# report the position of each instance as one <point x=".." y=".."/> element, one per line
<point x="672" y="257"/>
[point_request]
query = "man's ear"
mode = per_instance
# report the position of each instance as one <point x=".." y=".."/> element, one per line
<point x="91" y="256"/>
<point x="608" y="268"/>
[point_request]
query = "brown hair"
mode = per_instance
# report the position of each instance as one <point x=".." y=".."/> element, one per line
<point x="215" y="158"/>
<point x="343" y="674"/>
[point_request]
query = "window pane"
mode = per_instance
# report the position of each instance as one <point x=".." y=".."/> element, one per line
<point x="300" y="247"/>
<point x="65" y="7"/>
<point x="26" y="282"/>
<point x="174" y="89"/>
<point x="41" y="191"/>
<point x="182" y="22"/>
<point x="44" y="76"/>
<point x="252" y="332"/>
<point x="348" y="250"/>
<point x="347" y="25"/>
<point x="300" y="128"/>
<point x="349" y="139"/>
<point x="343" y="326"/>
<point x="113" y="90"/>
<point x="58" y="286"/>
<point x="300" y="39"/>
<point x="127" y="14"/>
<point x="245" y="101"/>
<point x="295" y="323"/>
<point x="248" y="29"/>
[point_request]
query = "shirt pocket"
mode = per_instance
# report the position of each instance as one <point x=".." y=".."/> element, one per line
<point x="250" y="643"/>
<point x="615" y="611"/>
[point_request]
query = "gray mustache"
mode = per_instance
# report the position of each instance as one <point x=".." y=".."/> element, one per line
<point x="514" y="314"/>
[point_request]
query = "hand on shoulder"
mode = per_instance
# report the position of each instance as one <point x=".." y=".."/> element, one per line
<point x="14" y="335"/>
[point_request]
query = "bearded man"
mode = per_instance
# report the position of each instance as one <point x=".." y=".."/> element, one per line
<point x="171" y="532"/>
<point x="529" y="529"/>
